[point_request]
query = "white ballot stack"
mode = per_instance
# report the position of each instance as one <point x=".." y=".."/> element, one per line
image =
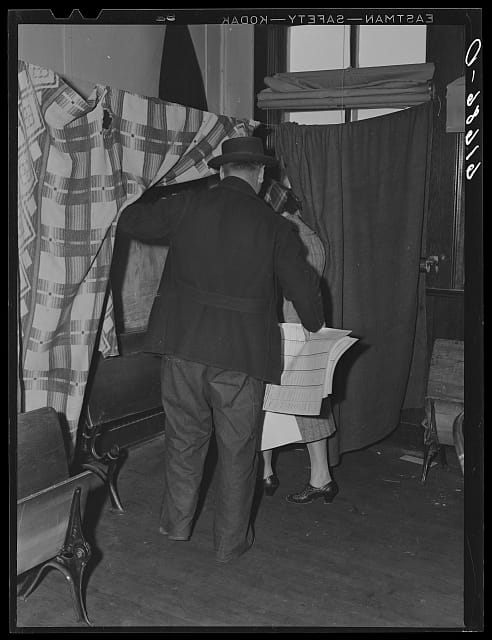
<point x="307" y="378"/>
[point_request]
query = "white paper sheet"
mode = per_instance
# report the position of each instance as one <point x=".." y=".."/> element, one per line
<point x="309" y="366"/>
<point x="279" y="429"/>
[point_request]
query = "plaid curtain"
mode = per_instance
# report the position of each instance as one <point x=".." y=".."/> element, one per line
<point x="80" y="162"/>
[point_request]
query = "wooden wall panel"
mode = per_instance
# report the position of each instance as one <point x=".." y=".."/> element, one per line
<point x="238" y="70"/>
<point x="446" y="213"/>
<point x="445" y="316"/>
<point x="123" y="56"/>
<point x="445" y="224"/>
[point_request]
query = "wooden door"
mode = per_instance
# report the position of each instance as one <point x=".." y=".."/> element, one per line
<point x="445" y="220"/>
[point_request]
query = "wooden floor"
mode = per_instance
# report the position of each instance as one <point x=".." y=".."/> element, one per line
<point x="388" y="552"/>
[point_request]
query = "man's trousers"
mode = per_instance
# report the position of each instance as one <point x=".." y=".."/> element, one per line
<point x="197" y="400"/>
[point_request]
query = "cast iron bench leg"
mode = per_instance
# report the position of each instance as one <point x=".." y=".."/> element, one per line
<point x="108" y="476"/>
<point x="110" y="459"/>
<point x="71" y="561"/>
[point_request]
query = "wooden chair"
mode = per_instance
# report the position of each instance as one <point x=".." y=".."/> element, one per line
<point x="444" y="404"/>
<point x="50" y="505"/>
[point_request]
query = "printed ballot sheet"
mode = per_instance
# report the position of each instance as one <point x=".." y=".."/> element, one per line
<point x="308" y="368"/>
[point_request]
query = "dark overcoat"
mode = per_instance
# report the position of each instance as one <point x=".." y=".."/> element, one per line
<point x="229" y="253"/>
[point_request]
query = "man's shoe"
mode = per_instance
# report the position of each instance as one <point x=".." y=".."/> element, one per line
<point x="310" y="493"/>
<point x="246" y="546"/>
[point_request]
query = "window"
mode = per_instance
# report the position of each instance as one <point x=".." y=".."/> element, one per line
<point x="311" y="48"/>
<point x="406" y="45"/>
<point x="314" y="48"/>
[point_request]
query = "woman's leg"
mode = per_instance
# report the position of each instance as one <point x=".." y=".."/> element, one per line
<point x="318" y="455"/>
<point x="267" y="463"/>
<point x="321" y="484"/>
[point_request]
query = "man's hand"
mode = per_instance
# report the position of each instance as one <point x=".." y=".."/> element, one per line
<point x="307" y="334"/>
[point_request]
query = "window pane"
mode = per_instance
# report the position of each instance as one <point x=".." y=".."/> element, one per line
<point x="316" y="47"/>
<point x="363" y="114"/>
<point x="381" y="45"/>
<point x="316" y="117"/>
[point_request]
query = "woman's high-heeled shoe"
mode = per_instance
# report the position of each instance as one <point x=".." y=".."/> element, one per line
<point x="310" y="493"/>
<point x="271" y="484"/>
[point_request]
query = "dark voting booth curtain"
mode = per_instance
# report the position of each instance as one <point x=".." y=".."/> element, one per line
<point x="363" y="190"/>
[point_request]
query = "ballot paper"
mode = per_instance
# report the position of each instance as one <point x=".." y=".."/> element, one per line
<point x="279" y="429"/>
<point x="308" y="369"/>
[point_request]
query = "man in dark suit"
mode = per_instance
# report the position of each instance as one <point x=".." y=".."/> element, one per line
<point x="214" y="320"/>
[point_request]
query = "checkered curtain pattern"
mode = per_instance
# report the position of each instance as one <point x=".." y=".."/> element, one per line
<point x="80" y="162"/>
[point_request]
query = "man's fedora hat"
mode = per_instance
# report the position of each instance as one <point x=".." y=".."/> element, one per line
<point x="243" y="149"/>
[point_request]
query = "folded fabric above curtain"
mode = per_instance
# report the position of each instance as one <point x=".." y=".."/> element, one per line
<point x="364" y="87"/>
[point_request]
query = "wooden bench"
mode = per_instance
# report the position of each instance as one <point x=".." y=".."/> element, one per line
<point x="50" y="505"/>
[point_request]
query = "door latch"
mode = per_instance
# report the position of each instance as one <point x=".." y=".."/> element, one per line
<point x="431" y="263"/>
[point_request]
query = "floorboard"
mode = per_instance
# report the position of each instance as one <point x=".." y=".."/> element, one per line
<point x="387" y="553"/>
